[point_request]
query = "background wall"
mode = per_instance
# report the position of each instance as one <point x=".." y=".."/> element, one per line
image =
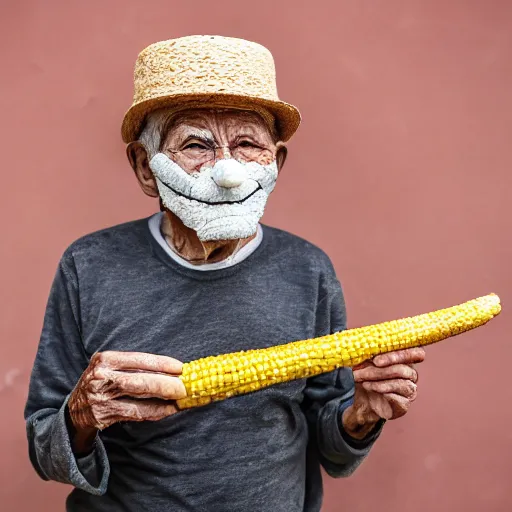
<point x="401" y="171"/>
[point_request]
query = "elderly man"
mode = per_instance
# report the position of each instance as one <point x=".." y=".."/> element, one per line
<point x="206" y="136"/>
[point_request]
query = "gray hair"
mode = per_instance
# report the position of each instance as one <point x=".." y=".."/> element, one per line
<point x="154" y="128"/>
<point x="157" y="124"/>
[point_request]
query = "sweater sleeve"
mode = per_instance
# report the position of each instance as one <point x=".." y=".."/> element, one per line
<point x="328" y="395"/>
<point x="59" y="363"/>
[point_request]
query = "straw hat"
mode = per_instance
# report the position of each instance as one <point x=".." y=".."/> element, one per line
<point x="207" y="71"/>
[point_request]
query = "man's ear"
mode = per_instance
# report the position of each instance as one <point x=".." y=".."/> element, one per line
<point x="138" y="158"/>
<point x="281" y="154"/>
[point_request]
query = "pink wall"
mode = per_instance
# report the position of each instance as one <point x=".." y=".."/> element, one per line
<point x="401" y="172"/>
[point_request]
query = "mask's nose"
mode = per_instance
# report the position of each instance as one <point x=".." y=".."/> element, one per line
<point x="229" y="173"/>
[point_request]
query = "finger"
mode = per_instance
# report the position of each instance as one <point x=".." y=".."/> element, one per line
<point x="399" y="404"/>
<point x="144" y="410"/>
<point x="401" y="387"/>
<point x="147" y="385"/>
<point x="380" y="405"/>
<point x="138" y="361"/>
<point x="396" y="371"/>
<point x="362" y="365"/>
<point x="406" y="356"/>
<point x="413" y="366"/>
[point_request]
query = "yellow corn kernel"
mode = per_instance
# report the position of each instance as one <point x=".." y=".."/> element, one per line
<point x="251" y="370"/>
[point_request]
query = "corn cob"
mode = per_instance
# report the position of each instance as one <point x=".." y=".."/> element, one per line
<point x="219" y="377"/>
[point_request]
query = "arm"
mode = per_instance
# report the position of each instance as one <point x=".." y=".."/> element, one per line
<point x="349" y="407"/>
<point x="73" y="397"/>
<point x="59" y="362"/>
<point x="327" y="397"/>
<point x="341" y="450"/>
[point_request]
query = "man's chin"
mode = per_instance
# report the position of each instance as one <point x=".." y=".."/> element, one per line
<point x="228" y="228"/>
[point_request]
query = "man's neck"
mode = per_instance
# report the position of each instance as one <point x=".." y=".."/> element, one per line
<point x="185" y="242"/>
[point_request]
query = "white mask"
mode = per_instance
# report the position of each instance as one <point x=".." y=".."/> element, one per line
<point x="224" y="202"/>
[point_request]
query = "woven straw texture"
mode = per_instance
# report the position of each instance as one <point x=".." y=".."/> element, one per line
<point x="207" y="71"/>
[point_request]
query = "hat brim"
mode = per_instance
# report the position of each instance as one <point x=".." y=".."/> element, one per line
<point x="287" y="116"/>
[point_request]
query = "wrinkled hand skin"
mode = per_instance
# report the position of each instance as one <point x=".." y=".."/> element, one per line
<point x="122" y="386"/>
<point x="385" y="389"/>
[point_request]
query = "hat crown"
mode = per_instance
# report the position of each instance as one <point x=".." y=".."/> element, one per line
<point x="203" y="65"/>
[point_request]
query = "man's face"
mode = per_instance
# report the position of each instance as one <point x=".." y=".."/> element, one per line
<point x="215" y="171"/>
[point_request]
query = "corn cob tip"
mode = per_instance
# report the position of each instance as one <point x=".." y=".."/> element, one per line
<point x="493" y="302"/>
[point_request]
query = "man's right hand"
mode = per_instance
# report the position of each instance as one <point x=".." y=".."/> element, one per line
<point x="122" y="386"/>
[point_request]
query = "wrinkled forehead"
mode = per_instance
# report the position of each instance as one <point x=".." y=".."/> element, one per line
<point x="218" y="123"/>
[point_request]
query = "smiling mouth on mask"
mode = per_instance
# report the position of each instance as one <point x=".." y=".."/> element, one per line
<point x="211" y="203"/>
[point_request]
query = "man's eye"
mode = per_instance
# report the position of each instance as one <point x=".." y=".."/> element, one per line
<point x="195" y="145"/>
<point x="247" y="144"/>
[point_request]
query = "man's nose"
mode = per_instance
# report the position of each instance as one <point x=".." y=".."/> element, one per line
<point x="228" y="173"/>
<point x="225" y="151"/>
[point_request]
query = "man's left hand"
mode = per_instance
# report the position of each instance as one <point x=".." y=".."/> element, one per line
<point x="384" y="389"/>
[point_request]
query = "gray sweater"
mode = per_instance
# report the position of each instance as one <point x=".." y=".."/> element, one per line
<point x="117" y="289"/>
